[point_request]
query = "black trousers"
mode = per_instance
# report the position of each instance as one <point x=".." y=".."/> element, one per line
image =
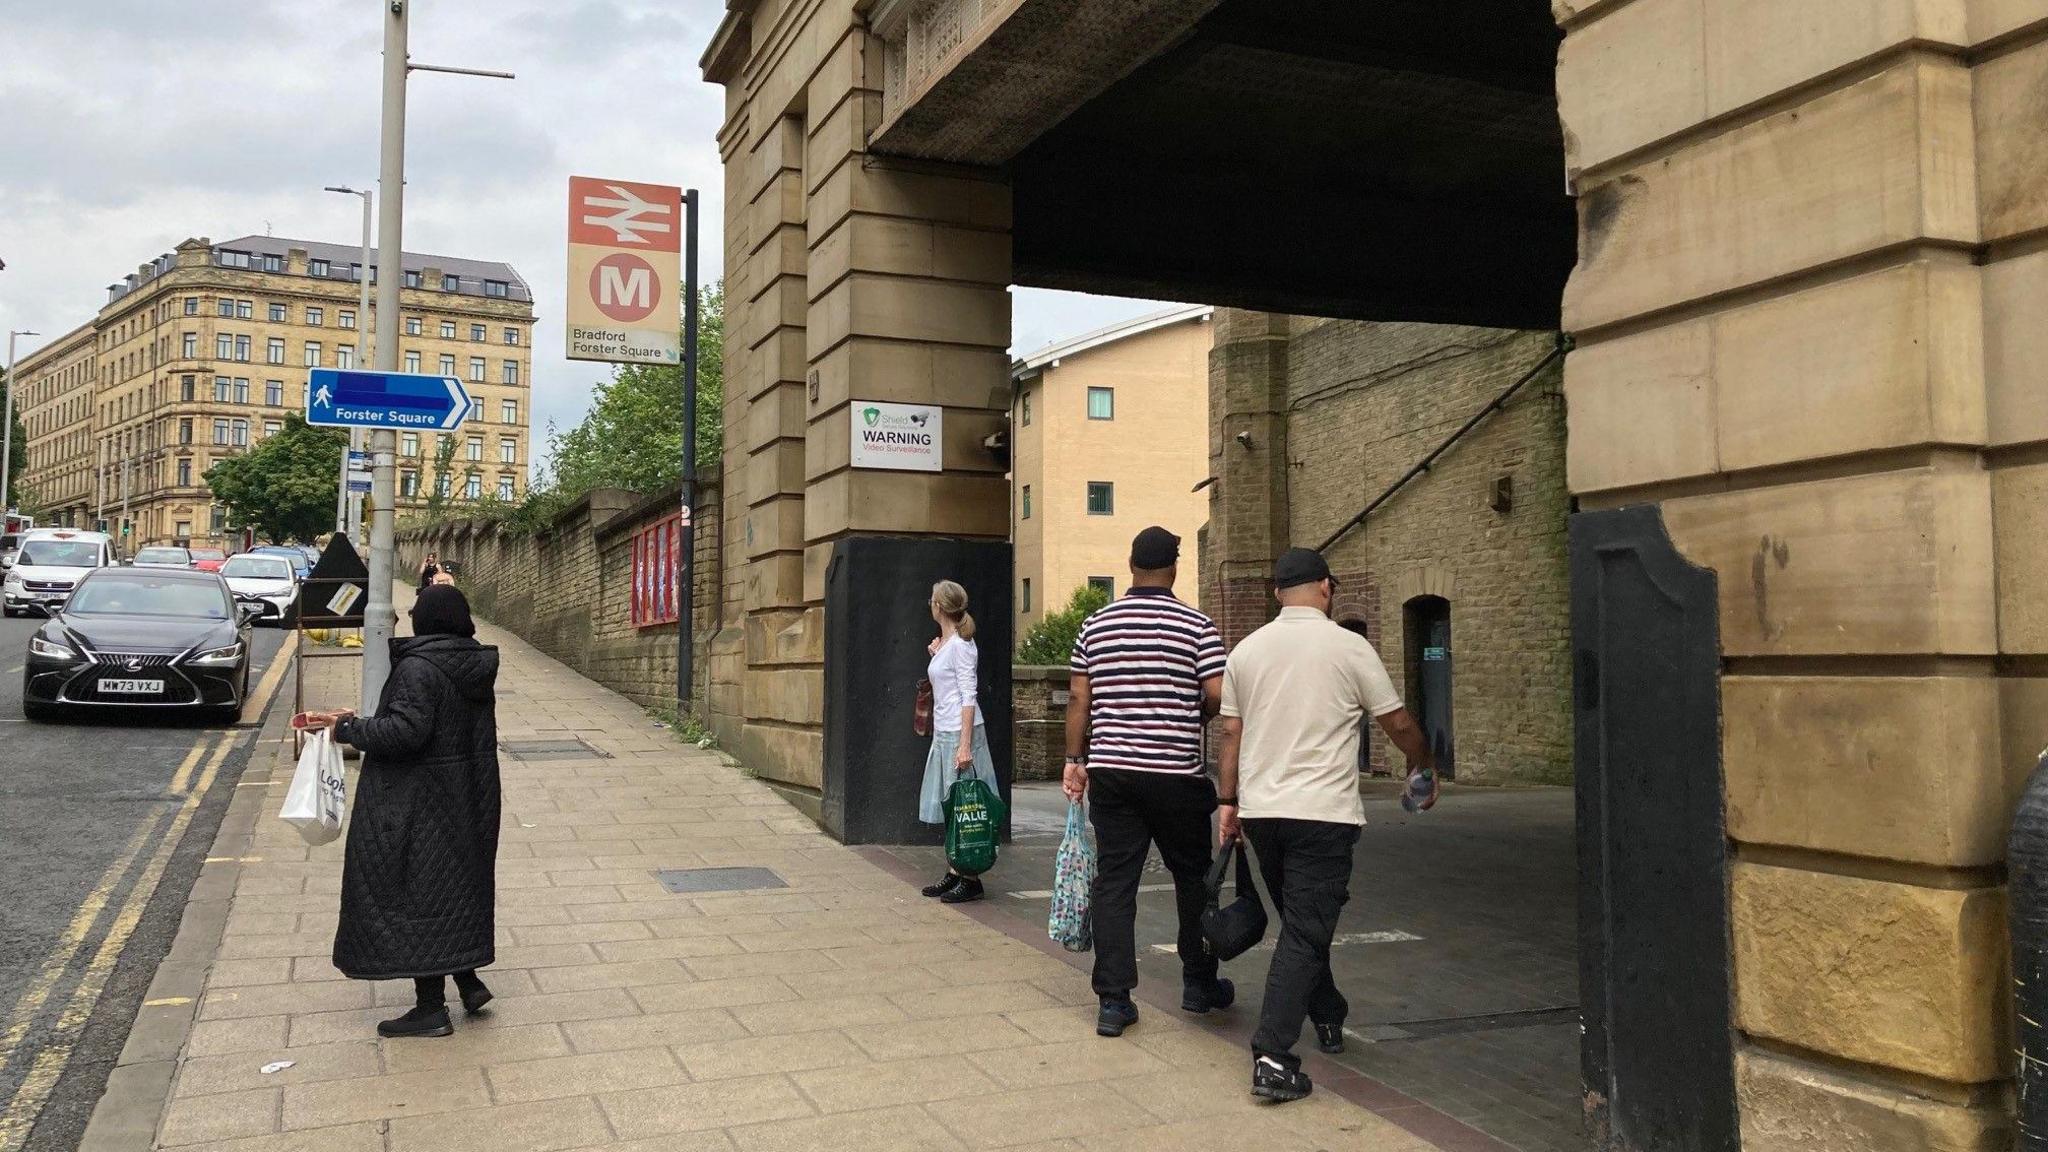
<point x="1132" y="811"/>
<point x="1306" y="865"/>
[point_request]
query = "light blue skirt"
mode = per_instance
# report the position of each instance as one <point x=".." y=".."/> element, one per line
<point x="939" y="774"/>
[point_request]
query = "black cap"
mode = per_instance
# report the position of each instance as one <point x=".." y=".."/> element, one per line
<point x="1300" y="566"/>
<point x="1155" y="548"/>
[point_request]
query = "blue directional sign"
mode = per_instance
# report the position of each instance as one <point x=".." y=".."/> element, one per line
<point x="346" y="399"/>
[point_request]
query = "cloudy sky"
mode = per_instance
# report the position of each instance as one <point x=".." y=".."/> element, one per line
<point x="127" y="126"/>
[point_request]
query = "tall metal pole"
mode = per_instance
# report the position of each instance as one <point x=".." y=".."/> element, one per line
<point x="380" y="622"/>
<point x="7" y="425"/>
<point x="348" y="507"/>
<point x="686" y="581"/>
<point x="99" y="511"/>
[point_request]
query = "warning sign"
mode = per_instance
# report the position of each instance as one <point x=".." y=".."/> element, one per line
<point x="625" y="275"/>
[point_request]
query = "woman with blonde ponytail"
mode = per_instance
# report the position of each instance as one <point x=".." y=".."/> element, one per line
<point x="959" y="734"/>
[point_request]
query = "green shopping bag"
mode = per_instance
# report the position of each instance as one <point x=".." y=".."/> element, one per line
<point x="974" y="818"/>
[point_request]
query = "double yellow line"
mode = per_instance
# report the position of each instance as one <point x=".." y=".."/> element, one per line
<point x="20" y="1113"/>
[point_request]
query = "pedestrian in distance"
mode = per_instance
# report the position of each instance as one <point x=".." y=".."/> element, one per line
<point x="959" y="730"/>
<point x="418" y="880"/>
<point x="428" y="571"/>
<point x="443" y="577"/>
<point x="1295" y="695"/>
<point x="1146" y="674"/>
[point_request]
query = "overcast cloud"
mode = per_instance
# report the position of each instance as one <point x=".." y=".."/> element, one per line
<point x="127" y="126"/>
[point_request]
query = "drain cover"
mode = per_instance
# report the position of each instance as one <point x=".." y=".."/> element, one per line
<point x="717" y="879"/>
<point x="550" y="750"/>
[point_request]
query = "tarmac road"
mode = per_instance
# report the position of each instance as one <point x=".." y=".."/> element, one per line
<point x="104" y="823"/>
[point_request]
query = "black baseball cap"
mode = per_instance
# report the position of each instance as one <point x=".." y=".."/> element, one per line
<point x="1155" y="548"/>
<point x="1301" y="566"/>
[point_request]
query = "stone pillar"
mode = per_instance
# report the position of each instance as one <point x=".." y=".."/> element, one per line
<point x="1248" y="510"/>
<point x="1782" y="339"/>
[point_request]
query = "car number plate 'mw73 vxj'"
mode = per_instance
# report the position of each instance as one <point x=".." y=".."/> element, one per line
<point x="132" y="687"/>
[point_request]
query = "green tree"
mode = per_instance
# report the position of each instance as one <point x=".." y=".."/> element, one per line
<point x="632" y="437"/>
<point x="441" y="483"/>
<point x="1051" y="640"/>
<point x="284" y="487"/>
<point x="17" y="460"/>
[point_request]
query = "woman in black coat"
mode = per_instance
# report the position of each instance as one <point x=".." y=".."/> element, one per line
<point x="418" y="882"/>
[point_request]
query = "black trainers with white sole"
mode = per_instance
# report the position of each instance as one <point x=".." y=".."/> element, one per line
<point x="1272" y="1080"/>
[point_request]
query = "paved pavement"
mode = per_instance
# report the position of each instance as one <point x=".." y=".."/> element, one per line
<point x="839" y="1010"/>
<point x="1458" y="950"/>
<point x="103" y="823"/>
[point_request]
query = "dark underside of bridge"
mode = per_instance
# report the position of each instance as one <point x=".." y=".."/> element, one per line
<point x="1372" y="159"/>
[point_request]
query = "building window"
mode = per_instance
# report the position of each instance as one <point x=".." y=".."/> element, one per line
<point x="312" y="353"/>
<point x="412" y="325"/>
<point x="504" y="487"/>
<point x="242" y="348"/>
<point x="273" y="393"/>
<point x="220" y="431"/>
<point x="473" y="487"/>
<point x="508" y="450"/>
<point x="447" y="329"/>
<point x="450" y="282"/>
<point x="443" y="485"/>
<point x="225" y="309"/>
<point x="185" y="430"/>
<point x="1024" y="504"/>
<point x="216" y="519"/>
<point x="184" y="527"/>
<point x="476" y="448"/>
<point x="412" y="361"/>
<point x="344" y="355"/>
<point x="512" y="336"/>
<point x="408" y="483"/>
<point x="508" y="412"/>
<point x="412" y="279"/>
<point x="497" y="288"/>
<point x="318" y="268"/>
<point x="241" y="433"/>
<point x="222" y="387"/>
<point x="476" y="334"/>
<point x="241" y="390"/>
<point x="191" y="305"/>
<point x="408" y="444"/>
<point x="316" y="316"/>
<point x="345" y="317"/>
<point x="1024" y="596"/>
<point x="223" y="347"/>
<point x="279" y="313"/>
<point x="511" y="373"/>
<point x="447" y="365"/>
<point x="273" y="350"/>
<point x="272" y="428"/>
<point x="1106" y="584"/>
<point x="1102" y="403"/>
<point x="476" y="369"/>
<point x="187" y="387"/>
<point x="1101" y="498"/>
<point x="245" y="309"/>
<point x="190" y="346"/>
<point x="273" y="263"/>
<point x="184" y="472"/>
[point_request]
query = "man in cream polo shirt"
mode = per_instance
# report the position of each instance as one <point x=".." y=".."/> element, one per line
<point x="1294" y="694"/>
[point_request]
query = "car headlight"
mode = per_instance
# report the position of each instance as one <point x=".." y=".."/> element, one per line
<point x="13" y="581"/>
<point x="37" y="646"/>
<point x="225" y="655"/>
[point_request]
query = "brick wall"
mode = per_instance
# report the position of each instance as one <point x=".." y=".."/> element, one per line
<point x="1038" y="721"/>
<point x="566" y="590"/>
<point x="1341" y="409"/>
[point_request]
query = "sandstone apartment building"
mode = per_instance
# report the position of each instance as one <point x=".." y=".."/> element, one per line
<point x="201" y="353"/>
<point x="1108" y="433"/>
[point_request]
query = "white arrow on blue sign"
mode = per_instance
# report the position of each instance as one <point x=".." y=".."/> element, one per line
<point x="337" y="398"/>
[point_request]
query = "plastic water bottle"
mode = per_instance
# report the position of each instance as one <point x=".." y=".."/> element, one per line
<point x="1421" y="787"/>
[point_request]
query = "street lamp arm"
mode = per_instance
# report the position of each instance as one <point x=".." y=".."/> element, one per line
<point x="460" y="71"/>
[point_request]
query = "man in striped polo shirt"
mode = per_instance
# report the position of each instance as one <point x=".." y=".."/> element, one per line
<point x="1147" y="672"/>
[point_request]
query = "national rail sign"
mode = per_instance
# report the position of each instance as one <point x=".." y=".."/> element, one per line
<point x="337" y="398"/>
<point x="625" y="275"/>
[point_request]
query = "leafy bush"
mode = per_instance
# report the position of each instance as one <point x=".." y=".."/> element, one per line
<point x="1051" y="640"/>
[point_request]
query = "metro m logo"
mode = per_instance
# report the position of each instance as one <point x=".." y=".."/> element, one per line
<point x="625" y="287"/>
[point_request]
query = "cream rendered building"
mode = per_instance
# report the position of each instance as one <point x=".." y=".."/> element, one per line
<point x="202" y="352"/>
<point x="1109" y="434"/>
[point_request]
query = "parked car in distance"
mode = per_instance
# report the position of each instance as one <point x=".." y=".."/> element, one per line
<point x="264" y="581"/>
<point x="296" y="557"/>
<point x="10" y="543"/>
<point x="49" y="566"/>
<point x="208" y="559"/>
<point x="141" y="638"/>
<point x="163" y="557"/>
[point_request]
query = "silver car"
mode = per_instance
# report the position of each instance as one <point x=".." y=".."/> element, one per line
<point x="265" y="582"/>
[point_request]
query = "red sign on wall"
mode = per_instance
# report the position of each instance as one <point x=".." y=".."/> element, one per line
<point x="657" y="555"/>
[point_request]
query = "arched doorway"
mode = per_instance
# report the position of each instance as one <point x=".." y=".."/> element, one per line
<point x="1426" y="622"/>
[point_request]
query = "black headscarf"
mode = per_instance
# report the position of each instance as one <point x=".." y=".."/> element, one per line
<point x="442" y="610"/>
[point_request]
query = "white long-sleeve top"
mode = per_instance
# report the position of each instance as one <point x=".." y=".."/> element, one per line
<point x="952" y="673"/>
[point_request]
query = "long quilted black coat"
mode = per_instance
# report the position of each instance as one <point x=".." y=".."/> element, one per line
<point x="418" y="883"/>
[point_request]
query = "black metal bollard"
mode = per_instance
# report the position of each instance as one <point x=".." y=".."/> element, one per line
<point x="2027" y="887"/>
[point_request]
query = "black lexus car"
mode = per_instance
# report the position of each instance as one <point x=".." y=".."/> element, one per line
<point x="141" y="638"/>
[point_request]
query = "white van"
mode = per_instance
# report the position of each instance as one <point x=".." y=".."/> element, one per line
<point x="49" y="565"/>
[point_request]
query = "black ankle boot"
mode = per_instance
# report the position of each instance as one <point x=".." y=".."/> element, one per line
<point x="423" y="1020"/>
<point x="949" y="882"/>
<point x="474" y="994"/>
<point x="967" y="890"/>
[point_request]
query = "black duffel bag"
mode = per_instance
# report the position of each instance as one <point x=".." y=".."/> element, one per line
<point x="1231" y="932"/>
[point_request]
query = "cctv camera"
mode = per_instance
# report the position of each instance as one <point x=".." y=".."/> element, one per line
<point x="1244" y="438"/>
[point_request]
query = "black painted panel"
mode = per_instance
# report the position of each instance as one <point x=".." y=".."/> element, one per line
<point x="1653" y="897"/>
<point x="877" y="626"/>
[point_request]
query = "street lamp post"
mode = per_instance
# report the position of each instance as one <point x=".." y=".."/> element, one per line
<point x="348" y="510"/>
<point x="7" y="420"/>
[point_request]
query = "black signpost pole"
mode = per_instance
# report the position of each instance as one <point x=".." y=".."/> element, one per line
<point x="686" y="584"/>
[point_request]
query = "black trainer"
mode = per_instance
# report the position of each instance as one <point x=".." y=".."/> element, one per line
<point x="965" y="892"/>
<point x="1330" y="1038"/>
<point x="1272" y="1080"/>
<point x="474" y="999"/>
<point x="951" y="881"/>
<point x="1214" y="996"/>
<point x="418" y="1022"/>
<point x="1115" y="1016"/>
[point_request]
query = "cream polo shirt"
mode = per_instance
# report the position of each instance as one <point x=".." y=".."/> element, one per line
<point x="1303" y="685"/>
